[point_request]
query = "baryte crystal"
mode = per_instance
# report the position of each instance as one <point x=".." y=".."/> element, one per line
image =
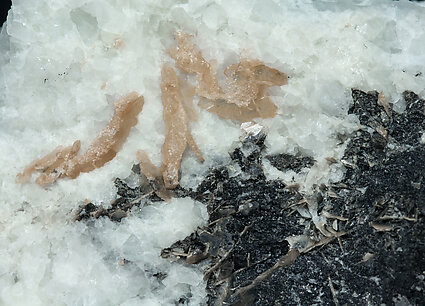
<point x="58" y="63"/>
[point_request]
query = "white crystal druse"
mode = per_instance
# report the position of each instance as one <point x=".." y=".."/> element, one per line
<point x="64" y="62"/>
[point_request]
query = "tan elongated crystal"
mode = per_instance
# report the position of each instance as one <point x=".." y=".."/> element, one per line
<point x="109" y="142"/>
<point x="53" y="165"/>
<point x="177" y="134"/>
<point x="64" y="162"/>
<point x="188" y="59"/>
<point x="247" y="81"/>
<point x="265" y="108"/>
<point x="188" y="92"/>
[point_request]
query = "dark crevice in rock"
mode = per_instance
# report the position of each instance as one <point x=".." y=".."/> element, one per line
<point x="284" y="162"/>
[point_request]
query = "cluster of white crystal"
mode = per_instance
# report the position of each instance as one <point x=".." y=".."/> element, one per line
<point x="63" y="62"/>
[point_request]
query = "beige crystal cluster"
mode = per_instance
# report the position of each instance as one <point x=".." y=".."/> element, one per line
<point x="243" y="98"/>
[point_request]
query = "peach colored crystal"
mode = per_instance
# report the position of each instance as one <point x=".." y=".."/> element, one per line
<point x="65" y="163"/>
<point x="53" y="165"/>
<point x="177" y="134"/>
<point x="109" y="142"/>
<point x="188" y="59"/>
<point x="247" y="81"/>
<point x="244" y="96"/>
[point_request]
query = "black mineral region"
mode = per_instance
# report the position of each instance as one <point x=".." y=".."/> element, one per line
<point x="356" y="242"/>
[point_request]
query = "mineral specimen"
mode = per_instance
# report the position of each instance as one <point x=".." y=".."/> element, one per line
<point x="64" y="162"/>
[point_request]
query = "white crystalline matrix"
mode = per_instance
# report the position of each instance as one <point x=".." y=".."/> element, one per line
<point x="64" y="62"/>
